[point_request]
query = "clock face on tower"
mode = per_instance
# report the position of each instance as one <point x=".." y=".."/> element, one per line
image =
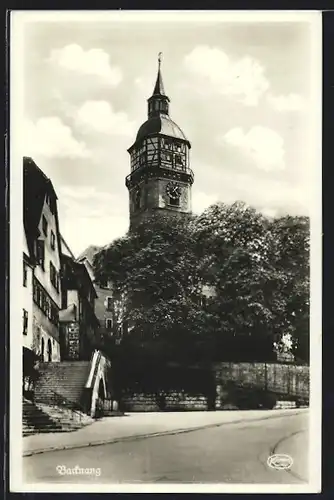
<point x="173" y="190"/>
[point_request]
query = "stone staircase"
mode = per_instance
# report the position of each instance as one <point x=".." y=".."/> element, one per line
<point x="34" y="420"/>
<point x="37" y="418"/>
<point x="66" y="379"/>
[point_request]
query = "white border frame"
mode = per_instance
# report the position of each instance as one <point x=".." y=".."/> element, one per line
<point x="18" y="19"/>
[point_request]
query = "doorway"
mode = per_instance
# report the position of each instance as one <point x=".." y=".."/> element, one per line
<point x="42" y="349"/>
<point x="49" y="350"/>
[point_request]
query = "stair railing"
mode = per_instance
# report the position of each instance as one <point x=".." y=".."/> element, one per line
<point x="61" y="401"/>
<point x="95" y="361"/>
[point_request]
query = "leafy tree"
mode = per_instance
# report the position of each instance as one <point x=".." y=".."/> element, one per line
<point x="155" y="269"/>
<point x="232" y="239"/>
<point x="290" y="253"/>
<point x="257" y="270"/>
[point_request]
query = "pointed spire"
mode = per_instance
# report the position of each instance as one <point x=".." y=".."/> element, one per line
<point x="159" y="86"/>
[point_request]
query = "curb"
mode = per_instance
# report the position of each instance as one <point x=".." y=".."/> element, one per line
<point x="277" y="446"/>
<point x="137" y="437"/>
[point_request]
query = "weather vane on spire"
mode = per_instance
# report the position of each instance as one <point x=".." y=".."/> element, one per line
<point x="159" y="59"/>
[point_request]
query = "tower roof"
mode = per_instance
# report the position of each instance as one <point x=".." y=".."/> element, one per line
<point x="159" y="122"/>
<point x="161" y="125"/>
<point x="159" y="85"/>
<point x="159" y="89"/>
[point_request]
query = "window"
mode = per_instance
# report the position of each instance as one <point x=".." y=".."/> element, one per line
<point x="44" y="302"/>
<point x="178" y="160"/>
<point x="137" y="199"/>
<point x="25" y="322"/>
<point x="142" y="158"/>
<point x="109" y="303"/>
<point x="40" y="251"/>
<point x="168" y="144"/>
<point x="25" y="274"/>
<point x="174" y="201"/>
<point x="53" y="276"/>
<point x="45" y="225"/>
<point x="108" y="323"/>
<point x="50" y="202"/>
<point x="53" y="240"/>
<point x="166" y="157"/>
<point x="54" y="314"/>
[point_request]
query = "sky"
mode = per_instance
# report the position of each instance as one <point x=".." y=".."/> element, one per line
<point x="240" y="91"/>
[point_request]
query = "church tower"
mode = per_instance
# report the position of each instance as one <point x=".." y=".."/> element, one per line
<point x="160" y="178"/>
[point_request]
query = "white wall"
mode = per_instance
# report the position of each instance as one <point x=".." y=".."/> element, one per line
<point x="27" y="301"/>
<point x="54" y="345"/>
<point x="50" y="255"/>
<point x="42" y="326"/>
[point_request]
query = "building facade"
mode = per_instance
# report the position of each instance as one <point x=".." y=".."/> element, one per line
<point x="42" y="238"/>
<point x="79" y="326"/>
<point x="161" y="178"/>
<point x="109" y="308"/>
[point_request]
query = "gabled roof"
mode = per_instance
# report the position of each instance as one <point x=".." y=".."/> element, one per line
<point x="77" y="274"/>
<point x="65" y="249"/>
<point x="35" y="186"/>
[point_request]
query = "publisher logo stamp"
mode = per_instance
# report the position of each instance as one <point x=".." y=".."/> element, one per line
<point x="280" y="462"/>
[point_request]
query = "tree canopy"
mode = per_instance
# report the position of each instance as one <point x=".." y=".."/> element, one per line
<point x="255" y="272"/>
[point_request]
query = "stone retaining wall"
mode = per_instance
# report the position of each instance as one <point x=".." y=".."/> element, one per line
<point x="283" y="379"/>
<point x="172" y="402"/>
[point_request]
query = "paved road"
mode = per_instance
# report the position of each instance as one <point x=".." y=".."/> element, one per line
<point x="232" y="453"/>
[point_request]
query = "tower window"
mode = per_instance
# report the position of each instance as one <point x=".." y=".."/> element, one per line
<point x="166" y="157"/>
<point x="137" y="200"/>
<point x="167" y="144"/>
<point x="142" y="158"/>
<point x="178" y="161"/>
<point x="174" y="201"/>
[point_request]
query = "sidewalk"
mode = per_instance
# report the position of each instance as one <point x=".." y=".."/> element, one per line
<point x="138" y="425"/>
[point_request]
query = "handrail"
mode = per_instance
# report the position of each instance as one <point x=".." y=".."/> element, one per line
<point x="96" y="357"/>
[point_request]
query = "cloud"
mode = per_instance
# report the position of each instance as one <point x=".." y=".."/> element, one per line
<point x="51" y="138"/>
<point x="80" y="231"/>
<point x="261" y="144"/>
<point x="100" y="116"/>
<point x="89" y="202"/>
<point x="88" y="215"/>
<point x="201" y="201"/>
<point x="243" y="79"/>
<point x="90" y="62"/>
<point x="289" y="102"/>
